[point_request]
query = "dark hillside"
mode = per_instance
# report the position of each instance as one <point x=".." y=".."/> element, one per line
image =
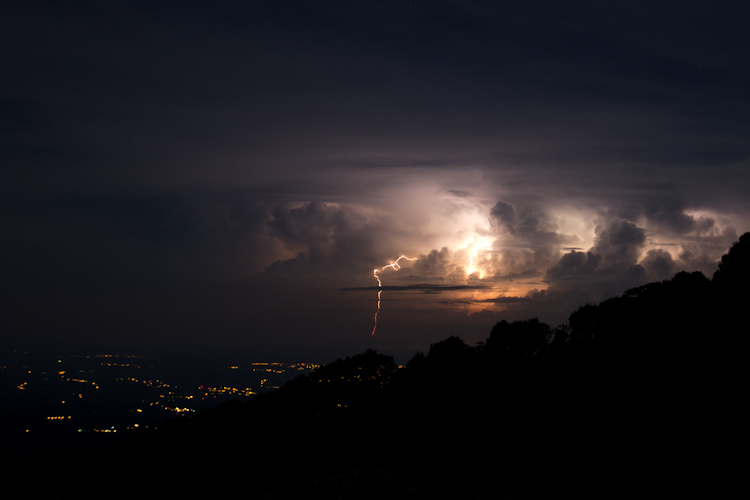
<point x="640" y="392"/>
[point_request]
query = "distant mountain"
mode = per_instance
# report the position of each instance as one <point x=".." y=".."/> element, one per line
<point x="640" y="392"/>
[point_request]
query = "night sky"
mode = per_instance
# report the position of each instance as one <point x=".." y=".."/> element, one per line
<point x="227" y="175"/>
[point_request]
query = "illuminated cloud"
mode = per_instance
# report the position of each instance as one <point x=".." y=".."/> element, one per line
<point x="222" y="175"/>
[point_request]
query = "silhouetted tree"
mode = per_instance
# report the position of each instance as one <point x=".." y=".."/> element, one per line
<point x="734" y="268"/>
<point x="652" y="377"/>
<point x="452" y="349"/>
<point x="520" y="339"/>
<point x="369" y="367"/>
<point x="560" y="335"/>
<point x="415" y="360"/>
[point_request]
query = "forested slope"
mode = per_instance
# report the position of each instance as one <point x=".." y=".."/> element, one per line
<point x="640" y="391"/>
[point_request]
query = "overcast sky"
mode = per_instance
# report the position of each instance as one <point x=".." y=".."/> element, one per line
<point x="227" y="175"/>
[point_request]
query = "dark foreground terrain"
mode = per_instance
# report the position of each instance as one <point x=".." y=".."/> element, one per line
<point x="641" y="394"/>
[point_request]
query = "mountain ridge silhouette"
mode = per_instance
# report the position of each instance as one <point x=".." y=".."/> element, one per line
<point x="638" y="392"/>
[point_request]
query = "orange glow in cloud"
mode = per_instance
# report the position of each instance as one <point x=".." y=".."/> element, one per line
<point x="395" y="266"/>
<point x="475" y="245"/>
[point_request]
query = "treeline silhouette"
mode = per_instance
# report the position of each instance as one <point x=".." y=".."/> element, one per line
<point x="640" y="393"/>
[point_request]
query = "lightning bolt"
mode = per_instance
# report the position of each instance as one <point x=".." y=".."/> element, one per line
<point x="393" y="265"/>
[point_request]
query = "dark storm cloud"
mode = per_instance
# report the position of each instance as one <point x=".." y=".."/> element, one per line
<point x="125" y="238"/>
<point x="505" y="300"/>
<point x="676" y="221"/>
<point x="531" y="227"/>
<point x="619" y="244"/>
<point x="658" y="264"/>
<point x="609" y="267"/>
<point x="209" y="86"/>
<point x="327" y="239"/>
<point x="175" y="145"/>
<point x="511" y="276"/>
<point x="529" y="239"/>
<point x="575" y="264"/>
<point x="615" y="263"/>
<point x="614" y="257"/>
<point x="318" y="228"/>
<point x="702" y="252"/>
<point x="435" y="265"/>
<point x="424" y="287"/>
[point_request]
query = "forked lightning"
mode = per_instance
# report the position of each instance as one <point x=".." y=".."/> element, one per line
<point x="395" y="266"/>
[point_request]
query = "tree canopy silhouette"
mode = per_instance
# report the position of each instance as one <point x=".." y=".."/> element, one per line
<point x="649" y="378"/>
<point x="734" y="267"/>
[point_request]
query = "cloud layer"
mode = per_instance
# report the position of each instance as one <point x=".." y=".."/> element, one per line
<point x="218" y="176"/>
